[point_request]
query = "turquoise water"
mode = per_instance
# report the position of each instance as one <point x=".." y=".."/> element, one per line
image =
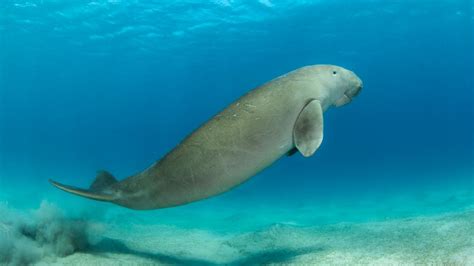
<point x="89" y="85"/>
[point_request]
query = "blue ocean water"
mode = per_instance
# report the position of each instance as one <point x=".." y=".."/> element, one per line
<point x="88" y="85"/>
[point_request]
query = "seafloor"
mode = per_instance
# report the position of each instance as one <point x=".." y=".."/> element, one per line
<point x="428" y="228"/>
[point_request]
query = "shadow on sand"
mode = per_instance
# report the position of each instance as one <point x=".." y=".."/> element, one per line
<point x="278" y="256"/>
<point x="109" y="245"/>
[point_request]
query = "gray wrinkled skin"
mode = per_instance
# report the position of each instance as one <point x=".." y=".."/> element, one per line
<point x="246" y="137"/>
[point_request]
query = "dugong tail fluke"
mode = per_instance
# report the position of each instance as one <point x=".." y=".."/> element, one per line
<point x="98" y="189"/>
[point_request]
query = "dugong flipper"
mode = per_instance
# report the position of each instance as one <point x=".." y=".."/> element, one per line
<point x="281" y="117"/>
<point x="308" y="131"/>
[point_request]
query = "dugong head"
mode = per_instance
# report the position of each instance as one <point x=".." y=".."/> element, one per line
<point x="339" y="85"/>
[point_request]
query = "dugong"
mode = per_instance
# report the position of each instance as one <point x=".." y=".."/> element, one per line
<point x="283" y="116"/>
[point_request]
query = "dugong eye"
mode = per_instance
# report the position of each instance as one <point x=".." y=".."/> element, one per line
<point x="334" y="72"/>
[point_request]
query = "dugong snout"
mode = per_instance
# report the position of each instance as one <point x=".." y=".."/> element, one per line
<point x="354" y="91"/>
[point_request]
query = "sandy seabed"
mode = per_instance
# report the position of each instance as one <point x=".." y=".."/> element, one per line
<point x="445" y="239"/>
<point x="429" y="228"/>
<point x="45" y="236"/>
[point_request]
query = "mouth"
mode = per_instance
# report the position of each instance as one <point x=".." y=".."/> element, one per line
<point x="354" y="92"/>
